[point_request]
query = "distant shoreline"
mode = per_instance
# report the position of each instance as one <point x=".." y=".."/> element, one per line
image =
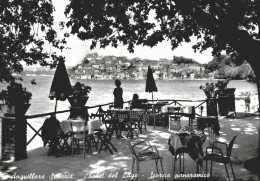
<point x="185" y="79"/>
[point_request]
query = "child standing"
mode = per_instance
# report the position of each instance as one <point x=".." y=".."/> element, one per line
<point x="247" y="102"/>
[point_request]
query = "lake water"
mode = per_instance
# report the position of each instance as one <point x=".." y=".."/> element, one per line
<point x="102" y="92"/>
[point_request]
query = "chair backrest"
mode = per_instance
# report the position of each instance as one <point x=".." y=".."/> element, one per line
<point x="107" y="115"/>
<point x="131" y="148"/>
<point x="140" y="146"/>
<point x="110" y="131"/>
<point x="77" y="126"/>
<point x="96" y="116"/>
<point x="173" y="109"/>
<point x="230" y="146"/>
<point x="99" y="116"/>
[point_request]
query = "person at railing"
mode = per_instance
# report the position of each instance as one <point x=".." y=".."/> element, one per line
<point x="137" y="103"/>
<point x="118" y="95"/>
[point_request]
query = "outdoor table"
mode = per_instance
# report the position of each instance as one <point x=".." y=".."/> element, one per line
<point x="92" y="125"/>
<point x="189" y="140"/>
<point x="210" y="122"/>
<point x="135" y="115"/>
<point x="156" y="108"/>
<point x="170" y="108"/>
<point x="180" y="111"/>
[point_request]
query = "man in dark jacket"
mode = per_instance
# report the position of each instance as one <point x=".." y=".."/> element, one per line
<point x="51" y="131"/>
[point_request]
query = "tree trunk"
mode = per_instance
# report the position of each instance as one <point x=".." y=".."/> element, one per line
<point x="258" y="89"/>
<point x="254" y="163"/>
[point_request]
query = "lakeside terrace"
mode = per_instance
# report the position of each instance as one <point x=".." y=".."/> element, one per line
<point x="245" y="125"/>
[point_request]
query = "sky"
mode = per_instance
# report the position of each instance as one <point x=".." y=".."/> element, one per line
<point x="80" y="48"/>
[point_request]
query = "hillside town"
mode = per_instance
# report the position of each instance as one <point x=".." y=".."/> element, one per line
<point x="111" y="67"/>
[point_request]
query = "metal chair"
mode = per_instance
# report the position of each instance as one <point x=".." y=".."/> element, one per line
<point x="216" y="155"/>
<point x="147" y="153"/>
<point x="80" y="136"/>
<point x="174" y="123"/>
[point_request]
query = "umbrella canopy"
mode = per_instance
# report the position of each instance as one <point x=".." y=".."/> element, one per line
<point x="150" y="83"/>
<point x="60" y="87"/>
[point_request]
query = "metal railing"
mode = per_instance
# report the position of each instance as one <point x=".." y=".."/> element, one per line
<point x="101" y="110"/>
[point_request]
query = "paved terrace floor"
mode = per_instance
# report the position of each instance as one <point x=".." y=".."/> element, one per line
<point x="119" y="163"/>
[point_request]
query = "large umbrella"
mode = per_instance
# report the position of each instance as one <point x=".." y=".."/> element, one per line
<point x="151" y="87"/>
<point x="60" y="87"/>
<point x="150" y="83"/>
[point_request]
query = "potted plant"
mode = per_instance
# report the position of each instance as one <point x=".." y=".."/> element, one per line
<point x="79" y="95"/>
<point x="221" y="87"/>
<point x="219" y="90"/>
<point x="223" y="98"/>
<point x="226" y="97"/>
<point x="15" y="100"/>
<point x="211" y="94"/>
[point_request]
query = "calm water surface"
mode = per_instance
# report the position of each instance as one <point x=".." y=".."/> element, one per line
<point x="102" y="91"/>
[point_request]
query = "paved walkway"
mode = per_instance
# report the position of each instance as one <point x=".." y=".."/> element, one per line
<point x="105" y="166"/>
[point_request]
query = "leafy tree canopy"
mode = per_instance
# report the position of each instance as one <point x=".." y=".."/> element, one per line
<point x="26" y="27"/>
<point x="181" y="59"/>
<point x="228" y="25"/>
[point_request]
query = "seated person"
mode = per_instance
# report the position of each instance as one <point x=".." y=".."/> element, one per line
<point x="136" y="103"/>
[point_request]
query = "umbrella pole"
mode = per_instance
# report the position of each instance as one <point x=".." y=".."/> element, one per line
<point x="153" y="117"/>
<point x="55" y="107"/>
<point x="153" y="113"/>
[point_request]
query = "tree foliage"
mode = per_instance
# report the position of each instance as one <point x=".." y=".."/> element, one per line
<point x="26" y="26"/>
<point x="228" y="25"/>
<point x="230" y="68"/>
<point x="183" y="60"/>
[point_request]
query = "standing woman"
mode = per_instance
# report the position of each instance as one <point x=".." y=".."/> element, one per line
<point x="118" y="95"/>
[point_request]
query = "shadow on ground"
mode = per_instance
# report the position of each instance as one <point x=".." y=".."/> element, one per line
<point x="117" y="166"/>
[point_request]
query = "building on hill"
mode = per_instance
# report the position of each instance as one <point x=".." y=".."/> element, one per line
<point x="92" y="56"/>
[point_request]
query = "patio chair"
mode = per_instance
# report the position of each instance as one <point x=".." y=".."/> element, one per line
<point x="104" y="138"/>
<point x="143" y="151"/>
<point x="124" y="124"/>
<point x="174" y="123"/>
<point x="105" y="116"/>
<point x="143" y="119"/>
<point x="80" y="136"/>
<point x="216" y="155"/>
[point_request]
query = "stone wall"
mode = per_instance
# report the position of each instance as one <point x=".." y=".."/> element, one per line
<point x="14" y="137"/>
